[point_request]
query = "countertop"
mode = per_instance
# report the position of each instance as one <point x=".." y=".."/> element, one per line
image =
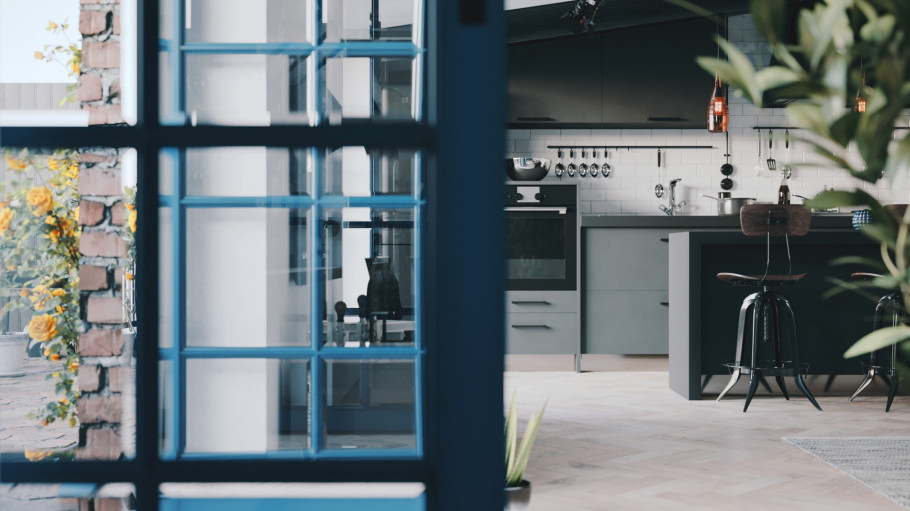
<point x="819" y="221"/>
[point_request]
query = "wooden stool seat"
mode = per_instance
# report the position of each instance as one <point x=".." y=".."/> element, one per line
<point x="737" y="279"/>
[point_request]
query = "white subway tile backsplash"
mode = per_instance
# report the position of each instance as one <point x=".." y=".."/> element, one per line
<point x="630" y="188"/>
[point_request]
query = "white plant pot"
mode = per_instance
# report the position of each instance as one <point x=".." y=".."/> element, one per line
<point x="12" y="354"/>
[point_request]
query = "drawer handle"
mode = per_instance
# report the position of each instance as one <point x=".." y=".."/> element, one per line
<point x="665" y="240"/>
<point x="531" y="326"/>
<point x="530" y="302"/>
<point x="665" y="304"/>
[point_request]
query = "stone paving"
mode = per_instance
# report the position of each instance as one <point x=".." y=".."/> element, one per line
<point x="20" y="396"/>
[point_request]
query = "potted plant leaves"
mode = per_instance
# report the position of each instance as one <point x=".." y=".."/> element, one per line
<point x="518" y="490"/>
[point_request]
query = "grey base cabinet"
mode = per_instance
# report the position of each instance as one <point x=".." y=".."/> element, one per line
<point x="625" y="288"/>
<point x="541" y="322"/>
<point x="627" y="322"/>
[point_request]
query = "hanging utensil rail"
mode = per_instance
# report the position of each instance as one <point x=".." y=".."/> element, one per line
<point x="595" y="146"/>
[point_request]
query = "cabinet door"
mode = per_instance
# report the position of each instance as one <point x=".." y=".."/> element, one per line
<point x="555" y="81"/>
<point x="626" y="322"/>
<point x="533" y="333"/>
<point x="626" y="259"/>
<point x="650" y="76"/>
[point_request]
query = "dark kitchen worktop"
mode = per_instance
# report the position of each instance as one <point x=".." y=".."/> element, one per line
<point x="686" y="222"/>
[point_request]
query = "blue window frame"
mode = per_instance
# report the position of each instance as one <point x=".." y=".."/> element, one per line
<point x="458" y="350"/>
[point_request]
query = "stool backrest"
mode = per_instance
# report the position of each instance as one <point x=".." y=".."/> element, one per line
<point x="774" y="220"/>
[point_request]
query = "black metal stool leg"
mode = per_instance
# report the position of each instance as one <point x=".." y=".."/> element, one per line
<point x="778" y="358"/>
<point x="829" y="382"/>
<point x="737" y="369"/>
<point x="797" y="377"/>
<point x="892" y="390"/>
<point x="870" y="374"/>
<point x="755" y="376"/>
<point x="753" y="385"/>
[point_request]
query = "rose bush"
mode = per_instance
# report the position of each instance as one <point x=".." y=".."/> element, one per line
<point x="39" y="250"/>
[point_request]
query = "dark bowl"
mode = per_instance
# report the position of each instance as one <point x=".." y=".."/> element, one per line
<point x="527" y="169"/>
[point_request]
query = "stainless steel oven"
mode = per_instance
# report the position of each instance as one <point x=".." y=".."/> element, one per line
<point x="542" y="227"/>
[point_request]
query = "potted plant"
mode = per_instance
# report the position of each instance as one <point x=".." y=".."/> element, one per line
<point x="518" y="490"/>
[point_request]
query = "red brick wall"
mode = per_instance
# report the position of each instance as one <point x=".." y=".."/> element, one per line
<point x="105" y="363"/>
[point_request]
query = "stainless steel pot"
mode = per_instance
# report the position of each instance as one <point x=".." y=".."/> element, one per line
<point x="728" y="206"/>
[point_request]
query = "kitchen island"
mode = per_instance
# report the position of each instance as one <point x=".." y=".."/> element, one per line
<point x="704" y="311"/>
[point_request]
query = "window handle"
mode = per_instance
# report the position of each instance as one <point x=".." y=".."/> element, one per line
<point x="530" y="302"/>
<point x="531" y="326"/>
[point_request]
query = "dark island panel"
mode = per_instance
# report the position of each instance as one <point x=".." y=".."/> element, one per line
<point x="704" y="311"/>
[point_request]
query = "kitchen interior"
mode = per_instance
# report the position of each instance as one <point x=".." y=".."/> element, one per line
<point x="617" y="115"/>
<point x="622" y="208"/>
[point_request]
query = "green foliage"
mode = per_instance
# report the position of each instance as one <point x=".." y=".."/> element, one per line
<point x="69" y="56"/>
<point x="517" y="456"/>
<point x="39" y="251"/>
<point x="835" y="39"/>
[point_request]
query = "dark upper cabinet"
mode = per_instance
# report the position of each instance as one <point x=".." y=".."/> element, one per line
<point x="556" y="81"/>
<point x="650" y="76"/>
<point x="642" y="77"/>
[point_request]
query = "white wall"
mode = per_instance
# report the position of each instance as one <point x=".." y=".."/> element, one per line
<point x="630" y="188"/>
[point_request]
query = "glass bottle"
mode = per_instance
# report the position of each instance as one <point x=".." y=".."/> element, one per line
<point x="783" y="193"/>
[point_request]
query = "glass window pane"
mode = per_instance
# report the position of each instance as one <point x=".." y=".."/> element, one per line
<point x="246" y="277"/>
<point x="259" y="90"/>
<point x="358" y="172"/>
<point x="242" y="21"/>
<point x="166" y="280"/>
<point x="370" y="272"/>
<point x="369" y="404"/>
<point x="370" y="88"/>
<point x="247" y="171"/>
<point x="247" y="405"/>
<point x="293" y="496"/>
<point x="350" y="20"/>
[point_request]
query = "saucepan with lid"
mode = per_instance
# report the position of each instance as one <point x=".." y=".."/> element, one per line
<point x="728" y="206"/>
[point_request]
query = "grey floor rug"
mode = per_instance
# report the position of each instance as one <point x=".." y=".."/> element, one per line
<point x="882" y="464"/>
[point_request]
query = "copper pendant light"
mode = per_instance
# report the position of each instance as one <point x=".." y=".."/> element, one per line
<point x="860" y="105"/>
<point x="718" y="110"/>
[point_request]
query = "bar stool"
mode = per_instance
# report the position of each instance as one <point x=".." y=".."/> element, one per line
<point x="891" y="304"/>
<point x="767" y="305"/>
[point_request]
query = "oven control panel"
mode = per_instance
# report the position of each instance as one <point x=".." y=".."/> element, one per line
<point x="540" y="195"/>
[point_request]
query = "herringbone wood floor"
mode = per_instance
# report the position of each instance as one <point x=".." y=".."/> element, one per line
<point x="624" y="441"/>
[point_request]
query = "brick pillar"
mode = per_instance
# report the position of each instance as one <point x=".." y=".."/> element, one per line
<point x="105" y="363"/>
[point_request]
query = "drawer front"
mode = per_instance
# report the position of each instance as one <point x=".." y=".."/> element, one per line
<point x="531" y="333"/>
<point x="627" y="322"/>
<point x="626" y="259"/>
<point x="541" y="301"/>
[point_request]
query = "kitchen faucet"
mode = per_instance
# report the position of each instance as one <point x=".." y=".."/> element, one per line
<point x="672" y="207"/>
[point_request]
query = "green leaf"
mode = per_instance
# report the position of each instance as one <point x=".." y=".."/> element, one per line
<point x="514" y="477"/>
<point x="770" y="18"/>
<point x="809" y="116"/>
<point x="728" y="74"/>
<point x="744" y="69"/>
<point x="844" y="128"/>
<point x="879" y="339"/>
<point x="511" y="435"/>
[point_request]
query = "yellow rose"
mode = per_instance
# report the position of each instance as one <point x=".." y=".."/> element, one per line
<point x="37" y="455"/>
<point x="72" y="171"/>
<point x="40" y="199"/>
<point x="39" y="55"/>
<point x="51" y="25"/>
<point x="58" y="292"/>
<point x="14" y="163"/>
<point x="52" y="163"/>
<point x="131" y="221"/>
<point x="55" y="357"/>
<point x="6" y="217"/>
<point x="43" y="328"/>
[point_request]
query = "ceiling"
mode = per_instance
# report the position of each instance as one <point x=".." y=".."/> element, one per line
<point x="542" y="21"/>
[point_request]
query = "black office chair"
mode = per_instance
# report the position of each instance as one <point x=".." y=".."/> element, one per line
<point x="767" y="305"/>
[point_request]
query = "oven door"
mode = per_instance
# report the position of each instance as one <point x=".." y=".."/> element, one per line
<point x="541" y="248"/>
